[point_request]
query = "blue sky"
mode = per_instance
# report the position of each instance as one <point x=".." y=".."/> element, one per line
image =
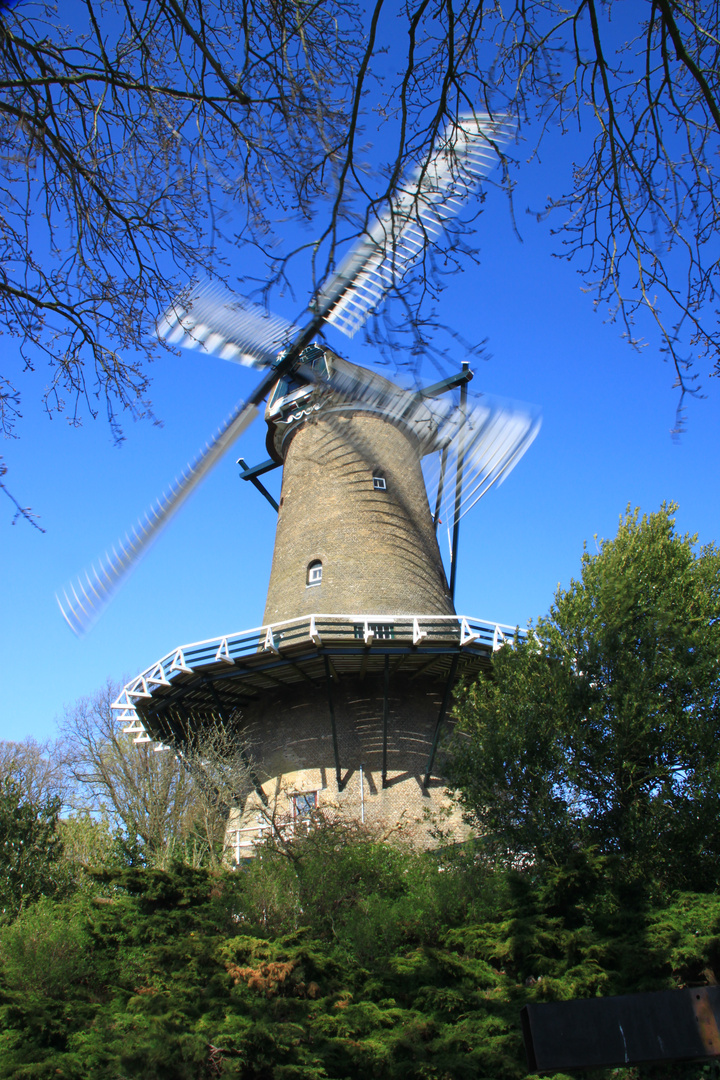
<point x="605" y="442"/>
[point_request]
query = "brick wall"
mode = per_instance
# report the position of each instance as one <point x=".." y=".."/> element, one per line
<point x="289" y="738"/>
<point x="378" y="548"/>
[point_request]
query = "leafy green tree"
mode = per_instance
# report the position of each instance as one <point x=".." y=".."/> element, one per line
<point x="45" y="950"/>
<point x="377" y="895"/>
<point x="31" y="863"/>
<point x="601" y="732"/>
<point x="91" y="844"/>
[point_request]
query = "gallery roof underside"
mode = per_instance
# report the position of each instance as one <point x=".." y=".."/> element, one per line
<point x="222" y="675"/>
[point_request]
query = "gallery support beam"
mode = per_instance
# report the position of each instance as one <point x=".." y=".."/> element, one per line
<point x="386" y="711"/>
<point x="441" y="717"/>
<point x="333" y="725"/>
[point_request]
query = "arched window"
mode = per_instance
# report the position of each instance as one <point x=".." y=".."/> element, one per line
<point x="314" y="573"/>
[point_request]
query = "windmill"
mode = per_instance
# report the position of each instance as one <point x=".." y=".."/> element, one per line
<point x="351" y="673"/>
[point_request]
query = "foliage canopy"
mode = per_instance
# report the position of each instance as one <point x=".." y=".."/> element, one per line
<point x="589" y="765"/>
<point x="30" y="849"/>
<point x="412" y="967"/>
<point x="601" y="731"/>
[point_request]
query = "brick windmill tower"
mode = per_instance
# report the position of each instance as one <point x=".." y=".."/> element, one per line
<point x="339" y="699"/>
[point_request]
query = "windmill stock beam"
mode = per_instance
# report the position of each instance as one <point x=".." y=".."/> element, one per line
<point x="436" y="389"/>
<point x="252" y="476"/>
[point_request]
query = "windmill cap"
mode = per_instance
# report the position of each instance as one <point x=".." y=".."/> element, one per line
<point x="331" y="384"/>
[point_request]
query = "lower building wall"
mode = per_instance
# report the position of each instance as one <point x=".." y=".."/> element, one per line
<point x="289" y="739"/>
<point x="398" y="813"/>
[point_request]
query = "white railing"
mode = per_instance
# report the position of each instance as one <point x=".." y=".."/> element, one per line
<point x="352" y="631"/>
<point x="245" y="839"/>
<point x="248" y="837"/>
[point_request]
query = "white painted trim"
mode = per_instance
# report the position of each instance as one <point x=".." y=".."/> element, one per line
<point x="143" y="692"/>
<point x="406" y="625"/>
<point x="158" y="676"/>
<point x="179" y="664"/>
<point x="223" y="652"/>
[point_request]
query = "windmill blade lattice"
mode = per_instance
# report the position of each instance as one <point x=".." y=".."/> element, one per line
<point x="211" y="320"/>
<point x="487" y="438"/>
<point x="432" y="195"/>
<point x="82" y="602"/>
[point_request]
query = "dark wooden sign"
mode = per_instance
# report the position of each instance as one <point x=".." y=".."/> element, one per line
<point x="632" y="1029"/>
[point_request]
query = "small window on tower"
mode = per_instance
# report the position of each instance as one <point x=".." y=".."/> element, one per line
<point x="379" y="483"/>
<point x="314" y="573"/>
<point x="303" y="805"/>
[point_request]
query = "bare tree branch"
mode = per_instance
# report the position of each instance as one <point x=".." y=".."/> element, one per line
<point x="23" y="512"/>
<point x="151" y="141"/>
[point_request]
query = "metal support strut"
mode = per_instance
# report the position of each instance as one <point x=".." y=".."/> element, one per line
<point x="386" y="710"/>
<point x="331" y="707"/>
<point x="441" y="717"/>
<point x="458" y="489"/>
<point x="252" y="476"/>
<point x="441" y="484"/>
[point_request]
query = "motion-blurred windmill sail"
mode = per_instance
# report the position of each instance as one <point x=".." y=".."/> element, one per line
<point x="208" y="319"/>
<point x="434" y="193"/>
<point x="235" y="329"/>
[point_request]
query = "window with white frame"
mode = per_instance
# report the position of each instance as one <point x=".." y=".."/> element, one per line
<point x="314" y="573"/>
<point x="379" y="483"/>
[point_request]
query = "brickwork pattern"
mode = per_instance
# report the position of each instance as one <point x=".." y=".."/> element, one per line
<point x="289" y="738"/>
<point x="378" y="548"/>
<point x="379" y="556"/>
